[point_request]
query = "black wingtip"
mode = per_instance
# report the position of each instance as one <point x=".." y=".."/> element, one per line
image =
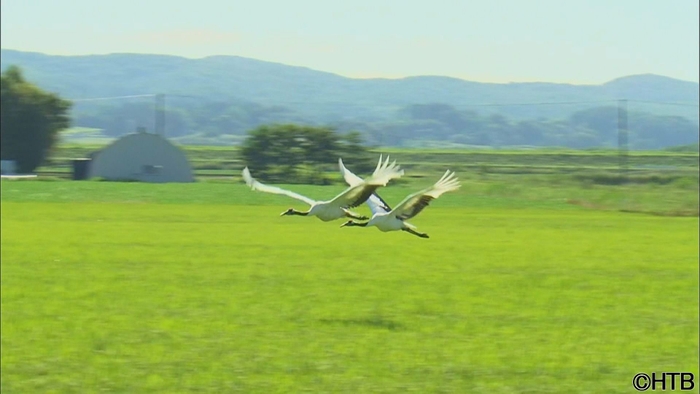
<point x="385" y="206"/>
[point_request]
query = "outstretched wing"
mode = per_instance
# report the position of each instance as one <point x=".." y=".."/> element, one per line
<point x="350" y="178"/>
<point x="416" y="202"/>
<point x="358" y="193"/>
<point x="255" y="185"/>
<point x="375" y="202"/>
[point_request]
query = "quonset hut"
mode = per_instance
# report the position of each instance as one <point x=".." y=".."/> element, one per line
<point x="141" y="157"/>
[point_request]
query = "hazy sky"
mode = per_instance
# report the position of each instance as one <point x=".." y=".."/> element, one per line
<point x="572" y="41"/>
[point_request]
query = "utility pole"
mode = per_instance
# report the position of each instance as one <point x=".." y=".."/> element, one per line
<point x="160" y="114"/>
<point x="622" y="148"/>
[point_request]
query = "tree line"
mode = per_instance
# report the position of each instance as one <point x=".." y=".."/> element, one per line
<point x="412" y="125"/>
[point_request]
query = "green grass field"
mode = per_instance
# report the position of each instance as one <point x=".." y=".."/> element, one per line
<point x="135" y="288"/>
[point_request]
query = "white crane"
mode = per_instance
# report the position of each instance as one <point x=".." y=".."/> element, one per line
<point x="338" y="207"/>
<point x="386" y="219"/>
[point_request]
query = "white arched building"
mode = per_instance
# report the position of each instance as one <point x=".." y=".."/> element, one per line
<point x="141" y="157"/>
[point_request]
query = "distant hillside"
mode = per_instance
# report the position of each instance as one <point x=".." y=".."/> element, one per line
<point x="228" y="94"/>
<point x="318" y="94"/>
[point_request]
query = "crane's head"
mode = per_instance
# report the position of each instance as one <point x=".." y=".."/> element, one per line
<point x="289" y="211"/>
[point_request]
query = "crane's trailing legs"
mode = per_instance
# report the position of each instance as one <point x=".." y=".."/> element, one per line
<point x="414" y="232"/>
<point x="356" y="217"/>
<point x="350" y="223"/>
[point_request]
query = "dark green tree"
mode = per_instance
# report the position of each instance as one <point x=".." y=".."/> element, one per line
<point x="30" y="120"/>
<point x="292" y="153"/>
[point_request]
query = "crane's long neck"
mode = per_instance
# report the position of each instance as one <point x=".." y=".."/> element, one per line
<point x="292" y="211"/>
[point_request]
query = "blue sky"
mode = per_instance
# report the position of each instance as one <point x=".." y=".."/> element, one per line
<point x="568" y="41"/>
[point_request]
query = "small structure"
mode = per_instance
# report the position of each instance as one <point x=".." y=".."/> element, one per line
<point x="8" y="167"/>
<point x="81" y="169"/>
<point x="141" y="157"/>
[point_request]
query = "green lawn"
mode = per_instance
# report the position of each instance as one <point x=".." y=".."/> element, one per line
<point x="131" y="288"/>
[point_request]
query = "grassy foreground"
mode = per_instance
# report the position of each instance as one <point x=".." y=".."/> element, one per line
<point x="204" y="288"/>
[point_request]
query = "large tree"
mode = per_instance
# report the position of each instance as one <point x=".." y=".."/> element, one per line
<point x="292" y="153"/>
<point x="30" y="120"/>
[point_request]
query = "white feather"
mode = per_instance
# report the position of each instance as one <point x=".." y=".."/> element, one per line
<point x="255" y="185"/>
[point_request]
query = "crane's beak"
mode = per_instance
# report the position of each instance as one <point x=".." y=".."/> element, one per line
<point x="348" y="223"/>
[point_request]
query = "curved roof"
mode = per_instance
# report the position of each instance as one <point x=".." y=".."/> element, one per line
<point x="142" y="157"/>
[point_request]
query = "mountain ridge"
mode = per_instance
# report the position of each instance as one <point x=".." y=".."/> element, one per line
<point x="321" y="96"/>
<point x="227" y="58"/>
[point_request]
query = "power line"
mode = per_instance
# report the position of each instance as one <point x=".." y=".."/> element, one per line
<point x="540" y="103"/>
<point x="114" y="97"/>
<point x="184" y="95"/>
<point x="666" y="103"/>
